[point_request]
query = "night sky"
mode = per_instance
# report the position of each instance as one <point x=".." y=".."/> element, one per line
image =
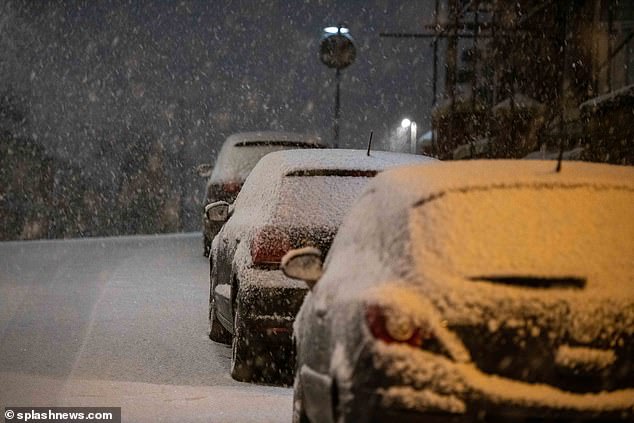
<point x="92" y="78"/>
<point x="201" y="70"/>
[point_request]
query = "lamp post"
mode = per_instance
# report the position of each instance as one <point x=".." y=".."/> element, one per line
<point x="406" y="123"/>
<point x="336" y="50"/>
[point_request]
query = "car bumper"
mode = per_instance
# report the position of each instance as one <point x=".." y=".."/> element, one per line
<point x="268" y="297"/>
<point x="434" y="384"/>
<point x="273" y="330"/>
<point x="404" y="402"/>
<point x="269" y="303"/>
<point x="394" y="383"/>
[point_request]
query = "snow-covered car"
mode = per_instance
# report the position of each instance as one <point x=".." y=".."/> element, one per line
<point x="239" y="153"/>
<point x="473" y="291"/>
<point x="291" y="199"/>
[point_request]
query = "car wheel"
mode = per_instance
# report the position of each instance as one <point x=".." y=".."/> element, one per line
<point x="299" y="414"/>
<point x="242" y="358"/>
<point x="217" y="332"/>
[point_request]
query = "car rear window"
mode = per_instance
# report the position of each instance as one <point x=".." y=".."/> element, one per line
<point x="318" y="201"/>
<point x="529" y="235"/>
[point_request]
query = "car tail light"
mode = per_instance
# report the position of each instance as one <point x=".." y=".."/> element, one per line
<point x="231" y="187"/>
<point x="269" y="246"/>
<point x="391" y="327"/>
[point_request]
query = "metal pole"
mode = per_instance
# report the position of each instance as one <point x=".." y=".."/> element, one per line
<point x="452" y="72"/>
<point x="563" y="81"/>
<point x="494" y="94"/>
<point x="337" y="108"/>
<point x="435" y="89"/>
<point x="610" y="29"/>
<point x="596" y="70"/>
<point x="476" y="30"/>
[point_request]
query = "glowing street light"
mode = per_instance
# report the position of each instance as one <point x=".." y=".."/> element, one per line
<point x="407" y="123"/>
<point x="336" y="30"/>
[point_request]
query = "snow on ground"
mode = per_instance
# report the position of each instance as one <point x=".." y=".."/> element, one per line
<point x="120" y="322"/>
<point x="146" y="402"/>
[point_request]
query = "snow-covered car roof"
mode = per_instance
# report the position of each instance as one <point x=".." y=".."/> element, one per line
<point x="289" y="161"/>
<point x="479" y="174"/>
<point x="461" y="232"/>
<point x="241" y="151"/>
<point x="316" y="201"/>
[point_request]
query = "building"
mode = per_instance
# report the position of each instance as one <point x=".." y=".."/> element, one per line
<point x="525" y="76"/>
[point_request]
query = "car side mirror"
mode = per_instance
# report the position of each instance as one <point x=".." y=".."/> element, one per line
<point x="217" y="211"/>
<point x="303" y="263"/>
<point x="204" y="170"/>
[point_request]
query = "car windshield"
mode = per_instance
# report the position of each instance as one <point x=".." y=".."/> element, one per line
<point x="568" y="234"/>
<point x="318" y="201"/>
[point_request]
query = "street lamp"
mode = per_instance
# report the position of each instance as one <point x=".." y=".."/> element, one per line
<point x="406" y="123"/>
<point x="336" y="50"/>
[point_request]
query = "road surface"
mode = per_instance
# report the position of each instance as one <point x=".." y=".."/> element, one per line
<point x="120" y="322"/>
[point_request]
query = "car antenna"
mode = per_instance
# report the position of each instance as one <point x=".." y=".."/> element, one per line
<point x="370" y="142"/>
<point x="560" y="157"/>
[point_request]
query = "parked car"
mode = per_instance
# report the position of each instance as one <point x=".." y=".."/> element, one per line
<point x="291" y="199"/>
<point x="238" y="155"/>
<point x="473" y="291"/>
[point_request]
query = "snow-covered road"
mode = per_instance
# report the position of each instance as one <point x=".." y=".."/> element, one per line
<point x="119" y="322"/>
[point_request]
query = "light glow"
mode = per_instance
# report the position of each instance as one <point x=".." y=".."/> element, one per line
<point x="334" y="30"/>
<point x="405" y="123"/>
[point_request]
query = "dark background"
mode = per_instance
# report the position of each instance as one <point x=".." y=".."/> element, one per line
<point x="106" y="107"/>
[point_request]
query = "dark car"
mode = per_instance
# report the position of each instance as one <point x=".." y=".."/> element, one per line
<point x="238" y="155"/>
<point x="473" y="291"/>
<point x="291" y="199"/>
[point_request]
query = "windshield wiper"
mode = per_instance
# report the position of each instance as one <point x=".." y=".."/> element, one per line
<point x="534" y="281"/>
